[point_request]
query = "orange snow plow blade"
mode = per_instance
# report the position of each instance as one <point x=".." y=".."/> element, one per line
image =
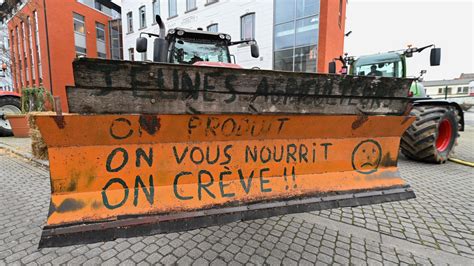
<point x="122" y="175"/>
<point x="173" y="168"/>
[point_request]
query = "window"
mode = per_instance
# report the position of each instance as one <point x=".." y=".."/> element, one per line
<point x="307" y="31"/>
<point x="190" y="5"/>
<point x="284" y="36"/>
<point x="296" y="33"/>
<point x="247" y="27"/>
<point x="142" y="16"/>
<point x="18" y="42"/>
<point x="38" y="50"/>
<point x="100" y="32"/>
<point x="284" y="60"/>
<point x="79" y="35"/>
<point x="25" y="55"/>
<point x="129" y="22"/>
<point x="284" y="11"/>
<point x="131" y="54"/>
<point x="305" y="8"/>
<point x="79" y="25"/>
<point x="13" y="61"/>
<point x="156" y="9"/>
<point x="98" y="5"/>
<point x="100" y="29"/>
<point x="101" y="55"/>
<point x="305" y="59"/>
<point x="383" y="69"/>
<point x="115" y="29"/>
<point x="172" y="8"/>
<point x="31" y="55"/>
<point x="198" y="51"/>
<point x="462" y="90"/>
<point x="213" y="28"/>
<point x="445" y="90"/>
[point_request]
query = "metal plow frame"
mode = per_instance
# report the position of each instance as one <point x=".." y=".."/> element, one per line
<point x="127" y="226"/>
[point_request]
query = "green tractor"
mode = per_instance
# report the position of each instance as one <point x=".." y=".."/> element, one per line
<point x="433" y="136"/>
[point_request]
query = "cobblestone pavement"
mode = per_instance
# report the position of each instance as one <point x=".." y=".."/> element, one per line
<point x="435" y="228"/>
<point x="465" y="148"/>
<point x="442" y="215"/>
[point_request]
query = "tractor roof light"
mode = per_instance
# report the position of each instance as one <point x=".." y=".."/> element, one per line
<point x="180" y="33"/>
<point x="228" y="37"/>
<point x="221" y="36"/>
<point x="172" y="31"/>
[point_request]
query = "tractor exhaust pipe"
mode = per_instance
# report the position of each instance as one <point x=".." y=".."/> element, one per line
<point x="160" y="45"/>
<point x="160" y="51"/>
<point x="162" y="26"/>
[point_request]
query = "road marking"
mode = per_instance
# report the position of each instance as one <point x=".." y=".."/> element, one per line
<point x="459" y="161"/>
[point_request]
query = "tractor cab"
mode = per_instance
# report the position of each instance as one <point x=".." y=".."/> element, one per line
<point x="191" y="47"/>
<point x="390" y="64"/>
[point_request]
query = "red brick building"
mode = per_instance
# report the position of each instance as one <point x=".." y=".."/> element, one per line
<point x="46" y="35"/>
<point x="331" y="32"/>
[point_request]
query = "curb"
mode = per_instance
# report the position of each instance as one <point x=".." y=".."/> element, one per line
<point x="25" y="155"/>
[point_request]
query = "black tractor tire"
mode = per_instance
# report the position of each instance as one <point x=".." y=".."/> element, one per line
<point x="8" y="100"/>
<point x="433" y="135"/>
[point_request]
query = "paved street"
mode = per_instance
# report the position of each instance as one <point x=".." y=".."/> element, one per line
<point x="435" y="228"/>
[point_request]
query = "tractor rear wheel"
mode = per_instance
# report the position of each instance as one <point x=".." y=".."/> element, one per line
<point x="432" y="137"/>
<point x="8" y="105"/>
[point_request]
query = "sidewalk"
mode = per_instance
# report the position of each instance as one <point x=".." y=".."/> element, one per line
<point x="20" y="147"/>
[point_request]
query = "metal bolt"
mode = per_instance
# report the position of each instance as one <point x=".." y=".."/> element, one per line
<point x="153" y="101"/>
<point x="151" y="74"/>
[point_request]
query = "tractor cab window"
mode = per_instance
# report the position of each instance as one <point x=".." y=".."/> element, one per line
<point x="385" y="69"/>
<point x="190" y="51"/>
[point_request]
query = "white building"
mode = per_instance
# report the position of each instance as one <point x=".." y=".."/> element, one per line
<point x="457" y="87"/>
<point x="287" y="31"/>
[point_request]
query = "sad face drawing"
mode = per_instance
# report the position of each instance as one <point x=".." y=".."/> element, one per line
<point x="366" y="156"/>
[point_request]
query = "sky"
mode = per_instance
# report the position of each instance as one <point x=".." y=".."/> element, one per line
<point x="387" y="25"/>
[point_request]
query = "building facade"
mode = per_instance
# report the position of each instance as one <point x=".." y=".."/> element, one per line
<point x="46" y="36"/>
<point x="458" y="87"/>
<point x="293" y="35"/>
